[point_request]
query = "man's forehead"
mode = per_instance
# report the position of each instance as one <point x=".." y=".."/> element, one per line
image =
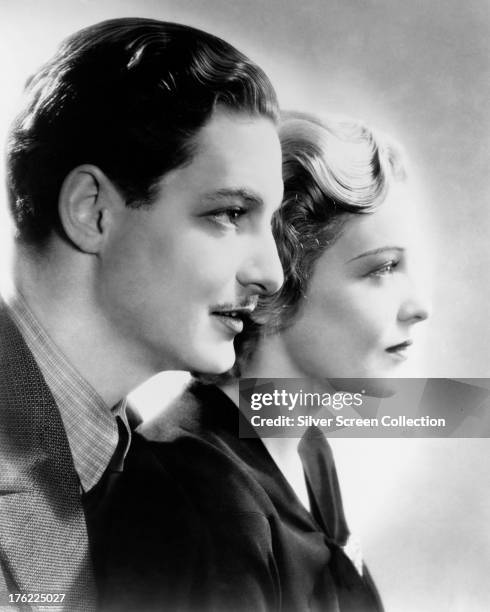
<point x="224" y="127"/>
<point x="244" y="153"/>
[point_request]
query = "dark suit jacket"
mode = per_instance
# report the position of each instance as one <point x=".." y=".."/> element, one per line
<point x="41" y="518"/>
<point x="42" y="521"/>
<point x="256" y="546"/>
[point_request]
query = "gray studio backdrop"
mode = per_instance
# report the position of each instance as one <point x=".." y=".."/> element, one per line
<point x="420" y="71"/>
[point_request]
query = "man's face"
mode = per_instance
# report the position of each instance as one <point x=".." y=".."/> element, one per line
<point x="174" y="275"/>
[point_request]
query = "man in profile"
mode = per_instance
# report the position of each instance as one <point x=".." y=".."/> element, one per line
<point x="143" y="171"/>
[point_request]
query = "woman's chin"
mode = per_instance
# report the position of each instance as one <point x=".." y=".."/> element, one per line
<point x="372" y="386"/>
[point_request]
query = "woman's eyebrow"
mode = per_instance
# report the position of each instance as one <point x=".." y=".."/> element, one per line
<point x="378" y="251"/>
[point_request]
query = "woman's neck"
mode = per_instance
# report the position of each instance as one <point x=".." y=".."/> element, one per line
<point x="284" y="452"/>
<point x="271" y="359"/>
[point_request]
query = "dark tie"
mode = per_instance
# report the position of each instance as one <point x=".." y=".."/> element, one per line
<point x="355" y="593"/>
<point x="323" y="485"/>
<point x="99" y="500"/>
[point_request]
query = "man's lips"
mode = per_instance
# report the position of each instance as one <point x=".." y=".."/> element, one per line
<point x="234" y="317"/>
<point x="400" y="350"/>
<point x="232" y="322"/>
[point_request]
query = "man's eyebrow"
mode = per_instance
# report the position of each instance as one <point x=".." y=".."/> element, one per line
<point x="377" y="252"/>
<point x="243" y="194"/>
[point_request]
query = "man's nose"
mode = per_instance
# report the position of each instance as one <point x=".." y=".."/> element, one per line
<point x="262" y="269"/>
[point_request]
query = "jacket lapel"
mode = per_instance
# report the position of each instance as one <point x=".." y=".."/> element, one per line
<point x="43" y="539"/>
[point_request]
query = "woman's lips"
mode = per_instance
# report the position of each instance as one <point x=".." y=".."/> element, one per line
<point x="400" y="350"/>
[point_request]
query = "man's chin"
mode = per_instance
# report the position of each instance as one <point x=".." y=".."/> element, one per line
<point x="215" y="363"/>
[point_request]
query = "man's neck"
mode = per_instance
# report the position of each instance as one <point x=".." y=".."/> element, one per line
<point x="62" y="303"/>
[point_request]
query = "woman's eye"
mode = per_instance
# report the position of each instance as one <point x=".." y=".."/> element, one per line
<point x="385" y="269"/>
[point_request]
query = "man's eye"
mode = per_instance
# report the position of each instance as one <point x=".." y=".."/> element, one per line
<point x="227" y="216"/>
<point x="385" y="269"/>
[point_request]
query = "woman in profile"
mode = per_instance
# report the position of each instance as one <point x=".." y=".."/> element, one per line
<point x="270" y="529"/>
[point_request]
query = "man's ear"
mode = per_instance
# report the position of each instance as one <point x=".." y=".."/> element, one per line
<point x="86" y="206"/>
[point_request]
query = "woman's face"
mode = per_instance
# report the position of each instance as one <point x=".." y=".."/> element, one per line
<point x="357" y="317"/>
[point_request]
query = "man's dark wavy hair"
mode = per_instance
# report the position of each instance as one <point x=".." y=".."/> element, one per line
<point x="127" y="95"/>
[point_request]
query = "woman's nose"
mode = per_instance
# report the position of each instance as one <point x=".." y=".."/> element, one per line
<point x="415" y="307"/>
